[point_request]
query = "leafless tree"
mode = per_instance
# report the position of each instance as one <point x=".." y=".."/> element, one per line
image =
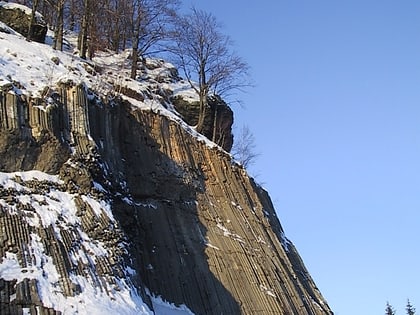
<point x="204" y="54"/>
<point x="59" y="23"/>
<point x="73" y="14"/>
<point x="244" y="148"/>
<point x="150" y="20"/>
<point x="83" y="35"/>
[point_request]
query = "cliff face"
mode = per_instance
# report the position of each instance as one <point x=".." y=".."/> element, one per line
<point x="147" y="206"/>
<point x="110" y="203"/>
<point x="214" y="232"/>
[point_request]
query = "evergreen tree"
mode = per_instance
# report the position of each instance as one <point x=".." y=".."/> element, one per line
<point x="389" y="310"/>
<point x="410" y="309"/>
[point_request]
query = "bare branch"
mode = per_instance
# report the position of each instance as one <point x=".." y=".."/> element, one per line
<point x="203" y="53"/>
<point x="244" y="148"/>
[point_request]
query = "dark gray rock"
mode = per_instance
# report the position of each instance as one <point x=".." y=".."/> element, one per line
<point x="217" y="123"/>
<point x="17" y="18"/>
<point x="197" y="230"/>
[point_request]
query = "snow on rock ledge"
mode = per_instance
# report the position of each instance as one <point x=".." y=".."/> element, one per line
<point x="64" y="247"/>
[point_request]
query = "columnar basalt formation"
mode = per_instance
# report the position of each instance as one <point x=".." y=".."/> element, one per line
<point x="148" y="194"/>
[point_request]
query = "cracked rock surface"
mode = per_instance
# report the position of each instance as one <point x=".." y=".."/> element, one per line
<point x="126" y="200"/>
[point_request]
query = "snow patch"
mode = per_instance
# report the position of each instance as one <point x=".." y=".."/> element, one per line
<point x="228" y="233"/>
<point x="162" y="307"/>
<point x="267" y="291"/>
<point x="285" y="241"/>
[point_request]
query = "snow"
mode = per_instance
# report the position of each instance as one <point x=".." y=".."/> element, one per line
<point x="31" y="64"/>
<point x="267" y="290"/>
<point x="56" y="208"/>
<point x="10" y="268"/>
<point x="4" y="28"/>
<point x="99" y="206"/>
<point x="8" y="180"/>
<point x="228" y="233"/>
<point x="285" y="242"/>
<point x="165" y="308"/>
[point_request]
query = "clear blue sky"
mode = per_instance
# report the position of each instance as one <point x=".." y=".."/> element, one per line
<point x="336" y="117"/>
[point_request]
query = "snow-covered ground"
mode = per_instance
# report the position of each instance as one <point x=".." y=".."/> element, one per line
<point x="31" y="67"/>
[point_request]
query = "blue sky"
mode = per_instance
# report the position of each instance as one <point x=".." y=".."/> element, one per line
<point x="336" y="117"/>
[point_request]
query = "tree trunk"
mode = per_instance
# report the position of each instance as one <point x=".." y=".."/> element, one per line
<point x="84" y="30"/>
<point x="202" y="112"/>
<point x="58" y="36"/>
<point x="134" y="60"/>
<point x="33" y="20"/>
<point x="203" y="91"/>
<point x="213" y="138"/>
<point x="135" y="56"/>
<point x="72" y="17"/>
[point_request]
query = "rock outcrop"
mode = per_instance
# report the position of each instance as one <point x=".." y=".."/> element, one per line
<point x="217" y="123"/>
<point x="146" y="196"/>
<point x="18" y="18"/>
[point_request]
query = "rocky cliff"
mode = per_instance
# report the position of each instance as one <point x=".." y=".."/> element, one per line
<point x="107" y="207"/>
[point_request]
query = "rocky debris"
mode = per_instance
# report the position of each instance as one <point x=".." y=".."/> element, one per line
<point x="18" y="18"/>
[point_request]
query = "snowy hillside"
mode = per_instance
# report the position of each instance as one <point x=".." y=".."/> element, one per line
<point x="56" y="208"/>
<point x="31" y="68"/>
<point x="35" y="66"/>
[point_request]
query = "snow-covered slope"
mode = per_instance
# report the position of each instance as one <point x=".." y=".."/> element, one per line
<point x="35" y="70"/>
<point x="36" y="66"/>
<point x="53" y="208"/>
<point x="40" y="203"/>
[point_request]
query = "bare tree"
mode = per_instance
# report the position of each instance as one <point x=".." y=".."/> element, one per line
<point x="244" y="148"/>
<point x="83" y="35"/>
<point x="59" y="26"/>
<point x="150" y="20"/>
<point x="204" y="54"/>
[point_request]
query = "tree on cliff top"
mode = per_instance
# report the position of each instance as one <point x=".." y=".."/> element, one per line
<point x="150" y="20"/>
<point x="203" y="53"/>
